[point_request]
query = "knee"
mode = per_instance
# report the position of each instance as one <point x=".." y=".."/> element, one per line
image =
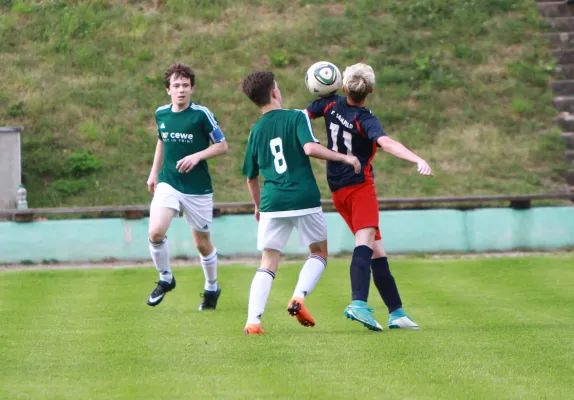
<point x="378" y="249"/>
<point x="365" y="237"/>
<point x="319" y="249"/>
<point x="203" y="245"/>
<point x="156" y="236"/>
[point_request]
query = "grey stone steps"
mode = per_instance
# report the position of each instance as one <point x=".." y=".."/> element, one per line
<point x="564" y="71"/>
<point x="564" y="56"/>
<point x="560" y="39"/>
<point x="555" y="9"/>
<point x="569" y="139"/>
<point x="564" y="24"/>
<point x="562" y="88"/>
<point x="564" y="103"/>
<point x="559" y="17"/>
<point x="566" y="122"/>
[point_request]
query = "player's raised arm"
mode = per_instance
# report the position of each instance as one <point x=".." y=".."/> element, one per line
<point x="186" y="164"/>
<point x="317" y="150"/>
<point x="217" y="148"/>
<point x="219" y="144"/>
<point x="398" y="150"/>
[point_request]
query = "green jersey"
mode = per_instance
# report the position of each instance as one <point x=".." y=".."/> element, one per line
<point x="184" y="133"/>
<point x="275" y="148"/>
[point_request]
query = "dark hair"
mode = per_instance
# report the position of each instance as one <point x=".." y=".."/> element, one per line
<point x="257" y="86"/>
<point x="179" y="70"/>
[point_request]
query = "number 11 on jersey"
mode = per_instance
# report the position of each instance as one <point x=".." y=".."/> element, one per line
<point x="279" y="158"/>
<point x="347" y="139"/>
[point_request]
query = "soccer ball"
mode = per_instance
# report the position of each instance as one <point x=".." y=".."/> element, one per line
<point x="323" y="78"/>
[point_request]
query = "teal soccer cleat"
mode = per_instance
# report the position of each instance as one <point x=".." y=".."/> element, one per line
<point x="358" y="311"/>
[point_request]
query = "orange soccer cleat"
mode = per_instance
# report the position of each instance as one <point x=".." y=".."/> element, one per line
<point x="253" y="329"/>
<point x="297" y="309"/>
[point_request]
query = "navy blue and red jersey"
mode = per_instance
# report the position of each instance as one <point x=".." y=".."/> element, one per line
<point x="350" y="130"/>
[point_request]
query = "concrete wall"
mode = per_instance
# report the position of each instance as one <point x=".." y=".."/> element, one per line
<point x="10" y="166"/>
<point x="428" y="231"/>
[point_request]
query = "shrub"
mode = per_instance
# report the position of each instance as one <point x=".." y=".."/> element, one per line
<point x="82" y="163"/>
<point x="68" y="187"/>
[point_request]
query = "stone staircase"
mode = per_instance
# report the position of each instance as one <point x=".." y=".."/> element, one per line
<point x="560" y="18"/>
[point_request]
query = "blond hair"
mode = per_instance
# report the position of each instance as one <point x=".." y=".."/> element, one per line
<point x="359" y="80"/>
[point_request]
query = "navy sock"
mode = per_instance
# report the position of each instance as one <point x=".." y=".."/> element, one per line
<point x="360" y="273"/>
<point x="385" y="283"/>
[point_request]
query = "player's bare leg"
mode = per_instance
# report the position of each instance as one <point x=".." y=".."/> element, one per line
<point x="361" y="279"/>
<point x="208" y="257"/>
<point x="260" y="288"/>
<point x="159" y="221"/>
<point x="308" y="278"/>
<point x="387" y="287"/>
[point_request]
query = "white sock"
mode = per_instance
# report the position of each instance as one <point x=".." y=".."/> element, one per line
<point x="309" y="275"/>
<point x="160" y="255"/>
<point x="260" y="288"/>
<point x="209" y="265"/>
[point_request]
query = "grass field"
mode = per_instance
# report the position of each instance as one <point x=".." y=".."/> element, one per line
<point x="492" y="328"/>
<point x="461" y="82"/>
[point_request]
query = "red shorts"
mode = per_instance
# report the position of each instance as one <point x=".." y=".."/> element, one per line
<point x="359" y="207"/>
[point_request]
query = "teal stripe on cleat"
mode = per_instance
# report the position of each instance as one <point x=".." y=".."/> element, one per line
<point x="363" y="316"/>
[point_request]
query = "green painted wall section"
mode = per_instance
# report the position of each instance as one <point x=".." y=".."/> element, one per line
<point x="428" y="231"/>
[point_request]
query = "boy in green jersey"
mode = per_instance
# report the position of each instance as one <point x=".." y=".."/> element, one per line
<point x="188" y="134"/>
<point x="279" y="147"/>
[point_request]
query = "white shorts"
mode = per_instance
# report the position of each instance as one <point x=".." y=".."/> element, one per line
<point x="198" y="209"/>
<point x="274" y="232"/>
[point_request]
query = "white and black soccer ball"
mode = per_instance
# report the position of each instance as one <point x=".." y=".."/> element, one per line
<point x="323" y="78"/>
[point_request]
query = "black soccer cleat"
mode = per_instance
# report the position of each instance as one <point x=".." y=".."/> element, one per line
<point x="209" y="299"/>
<point x="159" y="292"/>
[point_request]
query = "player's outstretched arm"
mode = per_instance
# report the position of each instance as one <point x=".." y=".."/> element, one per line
<point x="156" y="167"/>
<point x="398" y="150"/>
<point x="255" y="192"/>
<point x="186" y="164"/>
<point x="316" y="150"/>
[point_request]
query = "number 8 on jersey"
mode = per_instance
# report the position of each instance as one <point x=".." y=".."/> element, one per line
<point x="279" y="158"/>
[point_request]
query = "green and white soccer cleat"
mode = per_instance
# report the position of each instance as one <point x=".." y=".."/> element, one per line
<point x="399" y="320"/>
<point x="358" y="311"/>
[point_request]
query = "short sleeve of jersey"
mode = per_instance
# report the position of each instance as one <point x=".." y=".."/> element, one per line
<point x="316" y="109"/>
<point x="211" y="127"/>
<point x="304" y="129"/>
<point x="372" y="128"/>
<point x="250" y="166"/>
<point x="158" y="131"/>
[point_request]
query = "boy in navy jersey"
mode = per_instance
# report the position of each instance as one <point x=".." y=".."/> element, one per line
<point x="353" y="129"/>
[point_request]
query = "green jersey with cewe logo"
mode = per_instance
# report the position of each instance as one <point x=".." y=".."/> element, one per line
<point x="183" y="133"/>
<point x="275" y="148"/>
